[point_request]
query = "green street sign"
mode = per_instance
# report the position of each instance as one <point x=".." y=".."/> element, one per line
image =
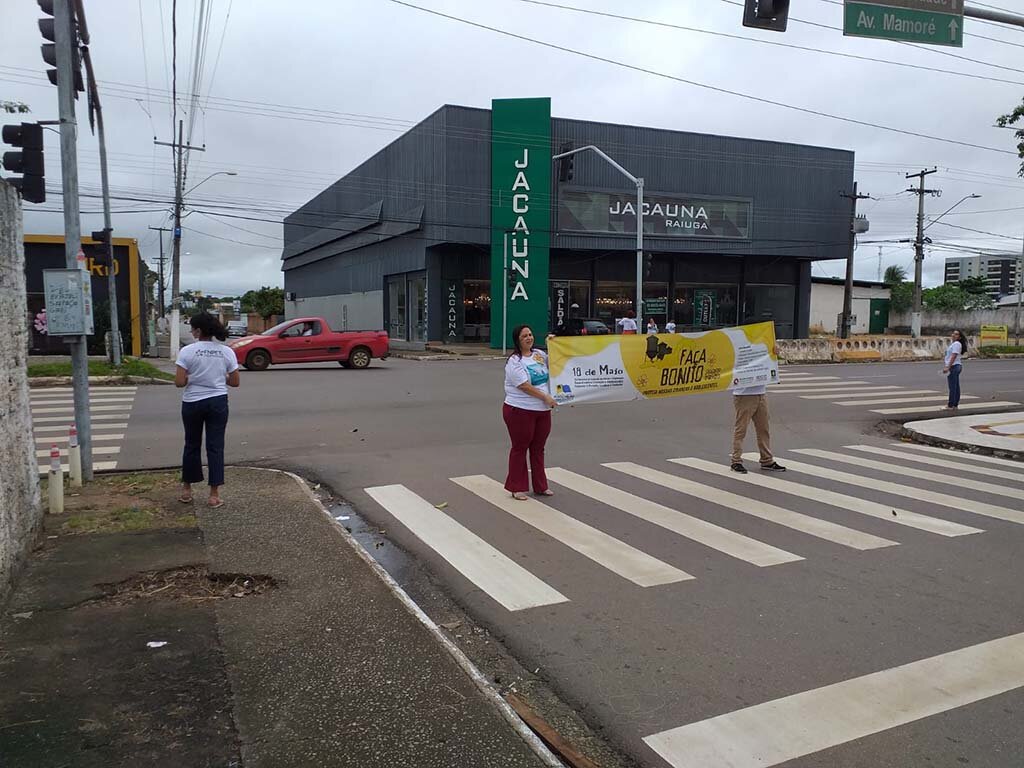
<point x="935" y="22"/>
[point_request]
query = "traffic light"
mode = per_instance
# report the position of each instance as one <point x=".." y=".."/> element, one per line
<point x="765" y="14"/>
<point x="28" y="162"/>
<point x="648" y="264"/>
<point x="566" y="164"/>
<point x="47" y="28"/>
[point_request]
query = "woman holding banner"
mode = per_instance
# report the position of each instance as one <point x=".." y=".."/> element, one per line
<point x="527" y="414"/>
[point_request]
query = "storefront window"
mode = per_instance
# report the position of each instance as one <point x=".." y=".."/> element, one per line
<point x="396" y="307"/>
<point x="418" y="308"/>
<point x="477" y="303"/>
<point x="613" y="301"/>
<point x="655" y="303"/>
<point x="771" y="302"/>
<point x="700" y="307"/>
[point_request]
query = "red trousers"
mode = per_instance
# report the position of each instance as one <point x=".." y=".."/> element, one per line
<point x="529" y="431"/>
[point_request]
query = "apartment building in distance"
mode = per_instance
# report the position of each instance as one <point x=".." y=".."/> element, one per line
<point x="999" y="271"/>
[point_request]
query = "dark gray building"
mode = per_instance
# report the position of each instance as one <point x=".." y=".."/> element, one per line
<point x="404" y="242"/>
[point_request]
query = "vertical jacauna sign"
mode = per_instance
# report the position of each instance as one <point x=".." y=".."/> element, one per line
<point x="520" y="214"/>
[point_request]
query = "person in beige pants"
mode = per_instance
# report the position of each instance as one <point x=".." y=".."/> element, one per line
<point x="751" y="404"/>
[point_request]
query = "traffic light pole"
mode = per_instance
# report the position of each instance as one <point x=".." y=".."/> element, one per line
<point x="63" y="44"/>
<point x="845" y="329"/>
<point x="639" y="223"/>
<point x="160" y="283"/>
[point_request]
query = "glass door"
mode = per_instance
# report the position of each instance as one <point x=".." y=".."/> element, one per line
<point x="396" y="308"/>
<point x="418" y="308"/>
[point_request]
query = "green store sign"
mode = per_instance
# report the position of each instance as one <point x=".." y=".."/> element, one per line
<point x="520" y="215"/>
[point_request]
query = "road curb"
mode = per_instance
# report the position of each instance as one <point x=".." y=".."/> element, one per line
<point x="913" y="435"/>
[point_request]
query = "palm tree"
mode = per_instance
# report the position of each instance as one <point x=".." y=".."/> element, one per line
<point x="894" y="275"/>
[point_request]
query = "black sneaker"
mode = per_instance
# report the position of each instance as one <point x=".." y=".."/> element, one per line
<point x="737" y="467"/>
<point x="773" y="467"/>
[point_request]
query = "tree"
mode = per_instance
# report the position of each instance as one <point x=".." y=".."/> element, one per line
<point x="901" y="296"/>
<point x="14" y="107"/>
<point x="894" y="275"/>
<point x="1012" y="119"/>
<point x="976" y="294"/>
<point x="265" y="302"/>
<point x="945" y="298"/>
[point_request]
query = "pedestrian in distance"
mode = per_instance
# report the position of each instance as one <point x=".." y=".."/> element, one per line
<point x="670" y="326"/>
<point x="628" y="323"/>
<point x="652" y="327"/>
<point x="205" y="369"/>
<point x="751" y="404"/>
<point x="952" y="365"/>
<point x="527" y="414"/>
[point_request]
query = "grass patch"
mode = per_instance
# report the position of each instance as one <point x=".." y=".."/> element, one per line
<point x="130" y="366"/>
<point x="1000" y="350"/>
<point x="137" y="483"/>
<point x="123" y="520"/>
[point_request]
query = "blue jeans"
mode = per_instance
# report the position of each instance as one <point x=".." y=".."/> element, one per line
<point x="953" y="380"/>
<point x="213" y="414"/>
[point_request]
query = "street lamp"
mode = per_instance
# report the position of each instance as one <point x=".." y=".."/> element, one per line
<point x="218" y="173"/>
<point x="639" y="223"/>
<point x="969" y="197"/>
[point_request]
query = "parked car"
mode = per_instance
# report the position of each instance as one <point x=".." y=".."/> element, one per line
<point x="237" y="329"/>
<point x="582" y="326"/>
<point x="309" y="340"/>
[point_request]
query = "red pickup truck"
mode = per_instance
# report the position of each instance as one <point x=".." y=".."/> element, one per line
<point x="309" y="340"/>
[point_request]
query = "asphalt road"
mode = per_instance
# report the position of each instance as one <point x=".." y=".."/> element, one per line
<point x="691" y="621"/>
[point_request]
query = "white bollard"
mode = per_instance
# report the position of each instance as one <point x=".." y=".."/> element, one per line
<point x="56" y="482"/>
<point x="74" y="458"/>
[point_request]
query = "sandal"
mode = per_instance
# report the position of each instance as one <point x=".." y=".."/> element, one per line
<point x="519" y="496"/>
<point x="215" y="504"/>
<point x="547" y="492"/>
<point x="185" y="499"/>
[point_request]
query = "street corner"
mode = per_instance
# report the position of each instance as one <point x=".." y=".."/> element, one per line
<point x="1000" y="434"/>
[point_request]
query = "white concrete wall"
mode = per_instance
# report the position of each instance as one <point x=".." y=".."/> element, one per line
<point x="20" y="508"/>
<point x="827" y="304"/>
<point x="343" y="312"/>
<point x="941" y="323"/>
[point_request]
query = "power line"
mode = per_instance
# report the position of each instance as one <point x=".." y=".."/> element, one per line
<point x="775" y="43"/>
<point x="695" y="83"/>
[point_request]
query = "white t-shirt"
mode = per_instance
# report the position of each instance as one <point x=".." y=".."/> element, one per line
<point x="627" y="324"/>
<point x="208" y="364"/>
<point x="532" y="369"/>
<point x="956" y="348"/>
<point x="670" y="327"/>
<point x="652" y="328"/>
<point x="756" y="389"/>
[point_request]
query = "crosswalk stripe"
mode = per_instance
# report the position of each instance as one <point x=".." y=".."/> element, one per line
<point x="605" y="550"/>
<point x="500" y="577"/>
<point x="937" y="408"/>
<point x="67" y="419"/>
<point x="92" y="399"/>
<point x="98" y="466"/>
<point x="897" y="489"/>
<point x="873" y="392"/>
<point x="775" y="732"/>
<point x="820" y="385"/>
<point x="812" y="378"/>
<point x="1017" y="477"/>
<point x="46" y="390"/>
<point x="812" y="526"/>
<point x="92" y="408"/>
<point x="840" y="500"/>
<point x="963" y="455"/>
<point x="105" y="450"/>
<point x="859" y="391"/>
<point x="894" y="400"/>
<point x="67" y="423"/>
<point x="64" y="438"/>
<point x="921" y="474"/>
<point x="710" y="535"/>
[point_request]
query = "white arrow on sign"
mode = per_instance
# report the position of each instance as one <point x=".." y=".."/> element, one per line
<point x="953" y="27"/>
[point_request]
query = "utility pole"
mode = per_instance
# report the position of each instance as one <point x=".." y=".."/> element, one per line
<point x="179" y="175"/>
<point x="1020" y="290"/>
<point x="879" y="263"/>
<point x="920" y="191"/>
<point x="63" y="51"/>
<point x="160" y="283"/>
<point x="108" y="229"/>
<point x="845" y="327"/>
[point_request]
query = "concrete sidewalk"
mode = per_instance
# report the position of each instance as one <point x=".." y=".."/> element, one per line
<point x="997" y="434"/>
<point x="258" y="634"/>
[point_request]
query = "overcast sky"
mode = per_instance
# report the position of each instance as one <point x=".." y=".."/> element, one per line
<point x="393" y="65"/>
